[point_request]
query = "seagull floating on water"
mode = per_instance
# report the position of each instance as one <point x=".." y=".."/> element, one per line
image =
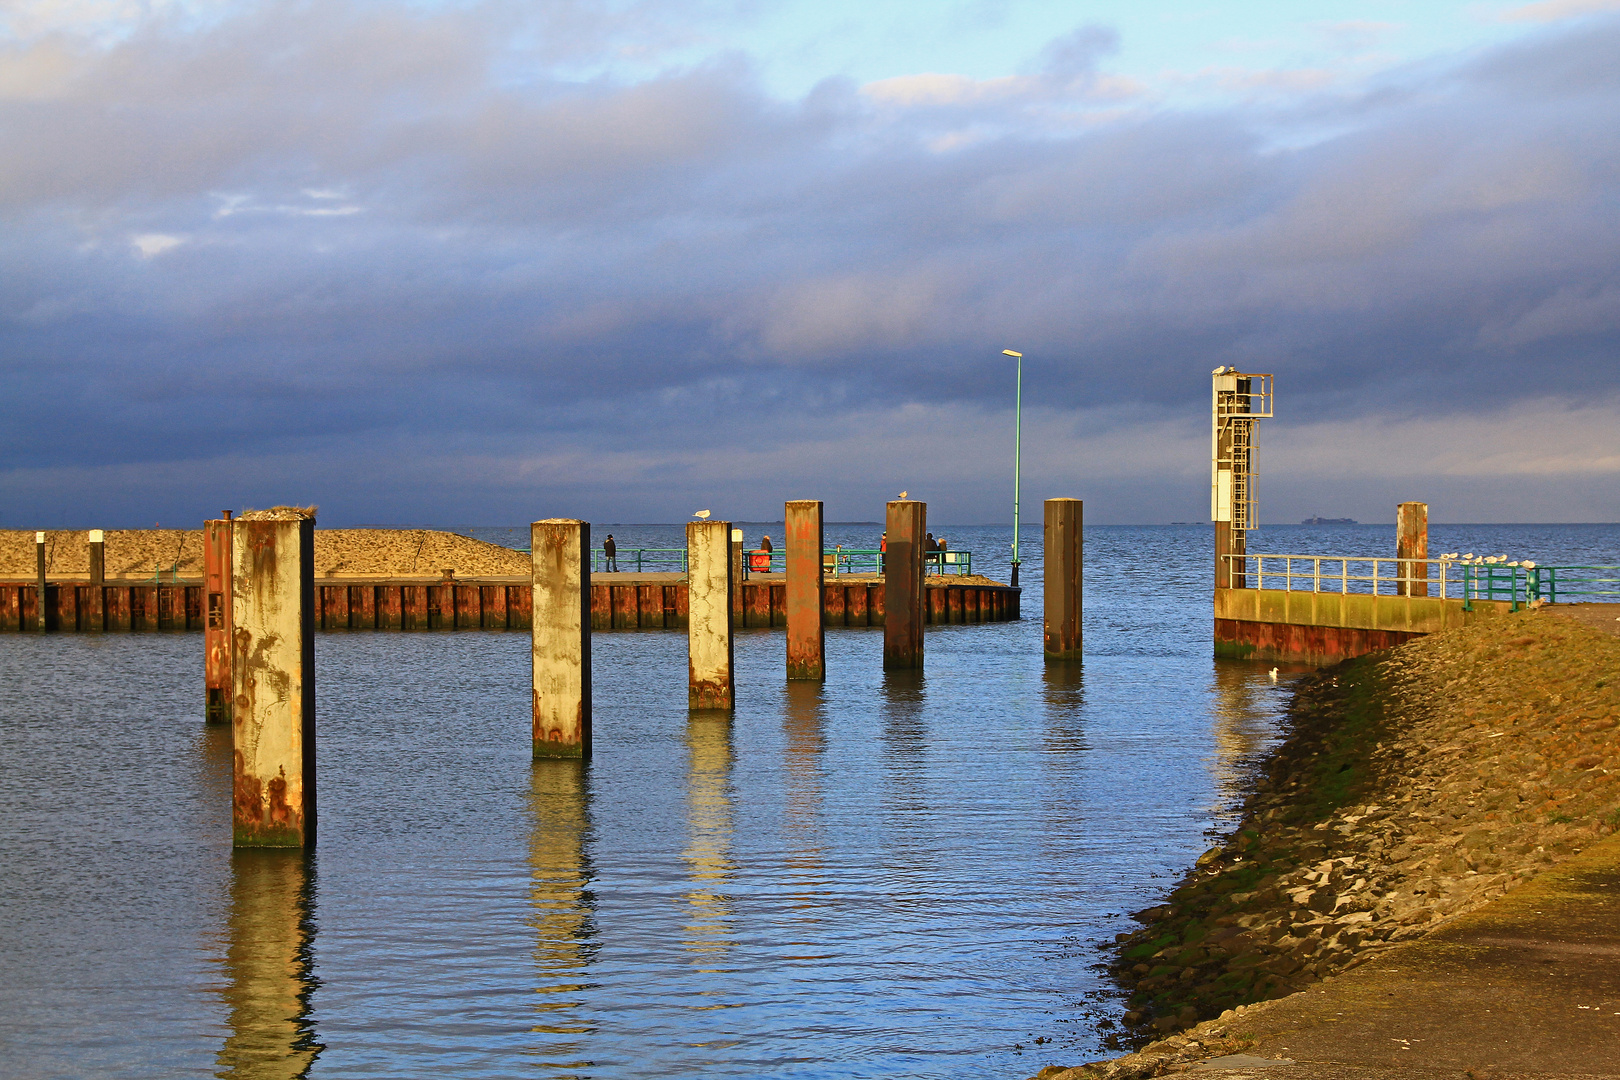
<point x="1273" y="674"/>
<point x="704" y="514"/>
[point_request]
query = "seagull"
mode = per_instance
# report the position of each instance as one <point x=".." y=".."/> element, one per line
<point x="903" y="494"/>
<point x="703" y="514"/>
<point x="1273" y="674"/>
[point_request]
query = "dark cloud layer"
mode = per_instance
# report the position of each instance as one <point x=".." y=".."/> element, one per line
<point x="346" y="227"/>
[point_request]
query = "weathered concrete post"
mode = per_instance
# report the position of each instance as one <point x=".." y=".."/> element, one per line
<point x="39" y="561"/>
<point x="217" y="683"/>
<point x="903" y="597"/>
<point x="806" y="637"/>
<point x="561" y="635"/>
<point x="96" y="618"/>
<point x="708" y="626"/>
<point x="1065" y="552"/>
<point x="273" y="671"/>
<point x="1412" y="548"/>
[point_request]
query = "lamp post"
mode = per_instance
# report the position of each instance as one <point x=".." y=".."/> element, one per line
<point x="1018" y="451"/>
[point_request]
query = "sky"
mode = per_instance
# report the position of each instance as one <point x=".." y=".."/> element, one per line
<point x="488" y="262"/>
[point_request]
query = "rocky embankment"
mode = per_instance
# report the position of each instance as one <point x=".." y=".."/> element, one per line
<point x="1412" y="786"/>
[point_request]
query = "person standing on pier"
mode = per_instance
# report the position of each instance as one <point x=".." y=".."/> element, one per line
<point x="610" y="555"/>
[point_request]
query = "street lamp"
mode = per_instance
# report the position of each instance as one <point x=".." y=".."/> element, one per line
<point x="1018" y="452"/>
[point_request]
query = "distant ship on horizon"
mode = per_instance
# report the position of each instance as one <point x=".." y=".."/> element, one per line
<point x="1329" y="521"/>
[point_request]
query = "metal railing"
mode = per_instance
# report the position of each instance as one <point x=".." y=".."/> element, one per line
<point x="1552" y="582"/>
<point x="1444" y="577"/>
<point x="838" y="561"/>
<point x="1368" y="574"/>
<point x="835" y="561"/>
<point x="641" y="560"/>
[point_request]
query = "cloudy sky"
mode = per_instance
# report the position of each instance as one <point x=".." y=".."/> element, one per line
<point x="487" y="262"/>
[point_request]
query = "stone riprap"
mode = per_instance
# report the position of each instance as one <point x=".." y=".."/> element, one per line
<point x="1412" y="786"/>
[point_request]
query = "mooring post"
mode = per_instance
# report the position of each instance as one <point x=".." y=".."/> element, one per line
<point x="561" y="637"/>
<point x="806" y="638"/>
<point x="708" y="625"/>
<point x="1412" y="548"/>
<point x="903" y="609"/>
<point x="96" y="617"/>
<point x="273" y="672"/>
<point x="737" y="575"/>
<point x="39" y="564"/>
<point x="1065" y="553"/>
<point x="218" y="686"/>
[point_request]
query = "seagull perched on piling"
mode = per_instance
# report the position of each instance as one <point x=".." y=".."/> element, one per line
<point x="702" y="514"/>
<point x="903" y="494"/>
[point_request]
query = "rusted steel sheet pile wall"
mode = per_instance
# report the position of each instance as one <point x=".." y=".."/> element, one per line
<point x="71" y="607"/>
<point x="1324" y="628"/>
<point x="480" y="605"/>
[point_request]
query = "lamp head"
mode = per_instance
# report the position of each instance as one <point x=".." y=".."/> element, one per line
<point x="1009" y="352"/>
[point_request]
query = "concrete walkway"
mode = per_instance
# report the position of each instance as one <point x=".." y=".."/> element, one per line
<point x="1527" y="986"/>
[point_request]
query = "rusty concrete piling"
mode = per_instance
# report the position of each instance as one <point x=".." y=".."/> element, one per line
<point x="561" y="637"/>
<point x="709" y="603"/>
<point x="1412" y="548"/>
<point x="217" y="682"/>
<point x="806" y="636"/>
<point x="40" y="606"/>
<point x="907" y="524"/>
<point x="273" y="674"/>
<point x="1065" y="551"/>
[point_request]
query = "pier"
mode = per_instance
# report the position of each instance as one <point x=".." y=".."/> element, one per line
<point x="648" y="601"/>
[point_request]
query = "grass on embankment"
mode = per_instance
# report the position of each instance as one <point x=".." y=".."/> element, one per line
<point x="1412" y="785"/>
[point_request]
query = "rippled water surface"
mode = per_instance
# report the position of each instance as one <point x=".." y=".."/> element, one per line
<point x="895" y="875"/>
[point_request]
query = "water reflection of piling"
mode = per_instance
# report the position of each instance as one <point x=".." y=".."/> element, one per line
<point x="268" y="966"/>
<point x="1240" y="731"/>
<point x="564" y="911"/>
<point x="905" y="744"/>
<point x="805" y="741"/>
<point x="708" y="848"/>
<point x="1063" y="692"/>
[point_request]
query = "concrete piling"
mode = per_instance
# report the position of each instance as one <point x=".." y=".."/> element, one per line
<point x="737" y="564"/>
<point x="1412" y="548"/>
<point x="561" y="636"/>
<point x="95" y="615"/>
<point x="40" y="605"/>
<point x="217" y="682"/>
<point x="273" y="674"/>
<point x="907" y="526"/>
<point x="1065" y="551"/>
<point x="806" y="636"/>
<point x="708" y="627"/>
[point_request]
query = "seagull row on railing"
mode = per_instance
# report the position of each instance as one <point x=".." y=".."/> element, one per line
<point x="1471" y="559"/>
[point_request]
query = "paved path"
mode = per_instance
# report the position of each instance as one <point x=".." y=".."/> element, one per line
<point x="1605" y="617"/>
<point x="1527" y="986"/>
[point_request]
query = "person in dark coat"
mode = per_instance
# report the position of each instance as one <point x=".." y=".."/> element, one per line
<point x="610" y="555"/>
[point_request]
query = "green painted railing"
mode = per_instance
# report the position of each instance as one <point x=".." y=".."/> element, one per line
<point x="1552" y="584"/>
<point x="834" y="561"/>
<point x="641" y="560"/>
